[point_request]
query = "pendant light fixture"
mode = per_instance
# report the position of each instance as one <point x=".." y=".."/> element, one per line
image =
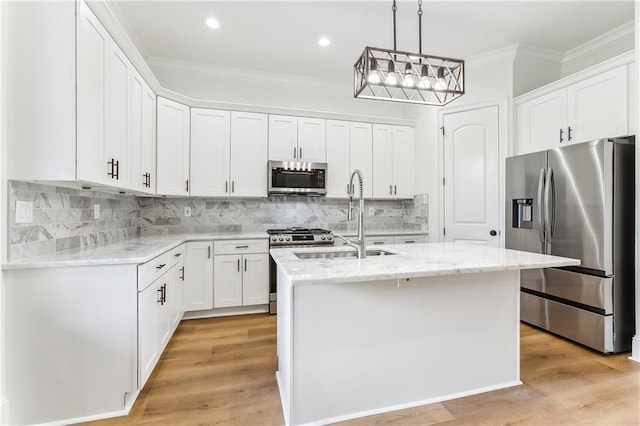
<point x="393" y="75"/>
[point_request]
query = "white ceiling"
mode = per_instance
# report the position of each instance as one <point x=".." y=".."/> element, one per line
<point x="281" y="36"/>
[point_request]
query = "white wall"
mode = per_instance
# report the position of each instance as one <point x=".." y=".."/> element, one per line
<point x="4" y="406"/>
<point x="635" y="355"/>
<point x="243" y="89"/>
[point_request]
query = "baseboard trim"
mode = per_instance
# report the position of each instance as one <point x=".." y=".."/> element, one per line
<point x="635" y="349"/>
<point x="225" y="312"/>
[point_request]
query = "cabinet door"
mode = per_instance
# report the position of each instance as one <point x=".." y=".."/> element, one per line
<point x="380" y="240"/>
<point x="198" y="276"/>
<point x="175" y="294"/>
<point x="117" y="101"/>
<point x="337" y="158"/>
<point x="598" y="106"/>
<point x="248" y="154"/>
<point x="382" y="156"/>
<point x="93" y="47"/>
<point x="142" y="142"/>
<point x="173" y="148"/>
<point x="255" y="279"/>
<point x="210" y="143"/>
<point x="360" y="155"/>
<point x="227" y="281"/>
<point x="403" y="157"/>
<point x="311" y="140"/>
<point x="408" y="239"/>
<point x="283" y="138"/>
<point x="148" y="349"/>
<point x="542" y="122"/>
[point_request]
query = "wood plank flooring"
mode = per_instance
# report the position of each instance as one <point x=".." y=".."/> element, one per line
<point x="220" y="371"/>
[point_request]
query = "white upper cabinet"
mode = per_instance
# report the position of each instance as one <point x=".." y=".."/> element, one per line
<point x="337" y="158"/>
<point x="210" y="152"/>
<point x="117" y="137"/>
<point x="94" y="49"/>
<point x="392" y="161"/>
<point x="172" y="148"/>
<point x="583" y="107"/>
<point x="598" y="106"/>
<point x="311" y="140"/>
<point x="360" y="155"/>
<point x="142" y="140"/>
<point x="248" y="165"/>
<point x="296" y="139"/>
<point x="283" y="138"/>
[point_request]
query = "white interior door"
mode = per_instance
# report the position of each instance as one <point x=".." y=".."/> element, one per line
<point x="471" y="176"/>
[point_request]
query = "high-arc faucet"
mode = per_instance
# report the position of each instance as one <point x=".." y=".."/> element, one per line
<point x="358" y="243"/>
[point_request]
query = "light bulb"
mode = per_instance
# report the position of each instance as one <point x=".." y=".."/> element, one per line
<point x="407" y="81"/>
<point x="424" y="82"/>
<point x="374" y="74"/>
<point x="392" y="80"/>
<point x="441" y="83"/>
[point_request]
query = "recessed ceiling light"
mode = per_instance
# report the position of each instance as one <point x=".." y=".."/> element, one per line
<point x="213" y="23"/>
<point x="324" y="42"/>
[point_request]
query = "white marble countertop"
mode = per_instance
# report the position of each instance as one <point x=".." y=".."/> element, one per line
<point x="133" y="251"/>
<point x="411" y="260"/>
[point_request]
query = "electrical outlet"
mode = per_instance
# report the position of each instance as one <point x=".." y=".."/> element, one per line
<point x="96" y="211"/>
<point x="371" y="211"/>
<point x="187" y="211"/>
<point x="406" y="281"/>
<point x="24" y="211"/>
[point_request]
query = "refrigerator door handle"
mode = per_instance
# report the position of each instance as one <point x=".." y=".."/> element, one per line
<point x="541" y="227"/>
<point x="550" y="209"/>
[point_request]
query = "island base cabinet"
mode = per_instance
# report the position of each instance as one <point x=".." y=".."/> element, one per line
<point x="72" y="343"/>
<point x="348" y="350"/>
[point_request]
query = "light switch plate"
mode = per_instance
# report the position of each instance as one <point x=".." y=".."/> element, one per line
<point x="187" y="211"/>
<point x="24" y="211"/>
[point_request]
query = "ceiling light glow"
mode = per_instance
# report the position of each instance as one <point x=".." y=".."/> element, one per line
<point x="324" y="41"/>
<point x="212" y="23"/>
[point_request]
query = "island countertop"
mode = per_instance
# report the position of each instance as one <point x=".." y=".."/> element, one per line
<point x="414" y="260"/>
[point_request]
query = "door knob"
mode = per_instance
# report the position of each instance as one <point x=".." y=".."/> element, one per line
<point x="493" y="233"/>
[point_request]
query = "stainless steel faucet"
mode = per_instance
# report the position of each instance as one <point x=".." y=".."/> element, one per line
<point x="359" y="243"/>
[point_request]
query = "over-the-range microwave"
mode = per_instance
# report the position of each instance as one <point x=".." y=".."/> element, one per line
<point x="297" y="178"/>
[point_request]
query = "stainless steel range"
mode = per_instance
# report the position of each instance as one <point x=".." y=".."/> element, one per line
<point x="292" y="237"/>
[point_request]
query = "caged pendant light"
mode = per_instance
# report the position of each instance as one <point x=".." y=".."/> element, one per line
<point x="393" y="75"/>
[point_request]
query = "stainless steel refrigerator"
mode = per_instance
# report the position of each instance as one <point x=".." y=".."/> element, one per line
<point x="577" y="201"/>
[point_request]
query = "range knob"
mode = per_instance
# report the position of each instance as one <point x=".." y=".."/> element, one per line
<point x="274" y="238"/>
<point x="322" y="237"/>
<point x="288" y="238"/>
<point x="329" y="237"/>
<point x="281" y="239"/>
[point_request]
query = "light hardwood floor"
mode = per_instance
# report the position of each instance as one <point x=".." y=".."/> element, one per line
<point x="221" y="372"/>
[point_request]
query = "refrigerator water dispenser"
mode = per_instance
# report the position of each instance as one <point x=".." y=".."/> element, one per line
<point x="522" y="213"/>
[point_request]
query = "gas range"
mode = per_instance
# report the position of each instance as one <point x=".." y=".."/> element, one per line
<point x="298" y="236"/>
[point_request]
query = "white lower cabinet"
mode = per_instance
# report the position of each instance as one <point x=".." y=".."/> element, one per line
<point x="198" y="276"/>
<point x="160" y="308"/>
<point x="240" y="273"/>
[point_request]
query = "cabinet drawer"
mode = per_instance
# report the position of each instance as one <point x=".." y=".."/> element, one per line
<point x="241" y="246"/>
<point x="153" y="269"/>
<point x="408" y="239"/>
<point x="379" y="240"/>
<point x="177" y="254"/>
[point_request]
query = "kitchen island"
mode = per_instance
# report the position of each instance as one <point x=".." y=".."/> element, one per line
<point x="420" y="324"/>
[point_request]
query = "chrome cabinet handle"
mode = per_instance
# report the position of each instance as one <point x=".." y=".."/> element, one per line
<point x="242" y="247"/>
<point x="300" y="156"/>
<point x="209" y="252"/>
<point x="238" y="265"/>
<point x="233" y="186"/>
<point x="390" y="191"/>
<point x="541" y="230"/>
<point x="569" y="133"/>
<point x="561" y="133"/>
<point x="245" y="265"/>
<point x="294" y="152"/>
<point x="182" y="276"/>
<point x="395" y="189"/>
<point x="187" y="185"/>
<point x="226" y="186"/>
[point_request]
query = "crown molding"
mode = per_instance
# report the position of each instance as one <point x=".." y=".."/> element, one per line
<point x="615" y="36"/>
<point x="539" y="54"/>
<point x="504" y="53"/>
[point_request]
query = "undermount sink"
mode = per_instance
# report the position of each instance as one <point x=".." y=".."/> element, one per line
<point x="337" y="254"/>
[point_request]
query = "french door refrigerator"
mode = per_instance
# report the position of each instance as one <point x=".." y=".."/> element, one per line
<point x="577" y="201"/>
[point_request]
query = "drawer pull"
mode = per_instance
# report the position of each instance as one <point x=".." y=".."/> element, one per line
<point x="378" y="242"/>
<point x="409" y="241"/>
<point x="162" y="265"/>
<point x="178" y="254"/>
<point x="242" y="247"/>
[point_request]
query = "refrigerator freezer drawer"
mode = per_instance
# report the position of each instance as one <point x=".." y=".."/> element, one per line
<point x="579" y="288"/>
<point x="592" y="330"/>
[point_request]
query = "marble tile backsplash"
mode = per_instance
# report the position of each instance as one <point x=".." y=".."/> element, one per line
<point x="63" y="219"/>
<point x="161" y="216"/>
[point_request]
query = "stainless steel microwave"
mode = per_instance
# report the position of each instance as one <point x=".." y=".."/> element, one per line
<point x="297" y="178"/>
